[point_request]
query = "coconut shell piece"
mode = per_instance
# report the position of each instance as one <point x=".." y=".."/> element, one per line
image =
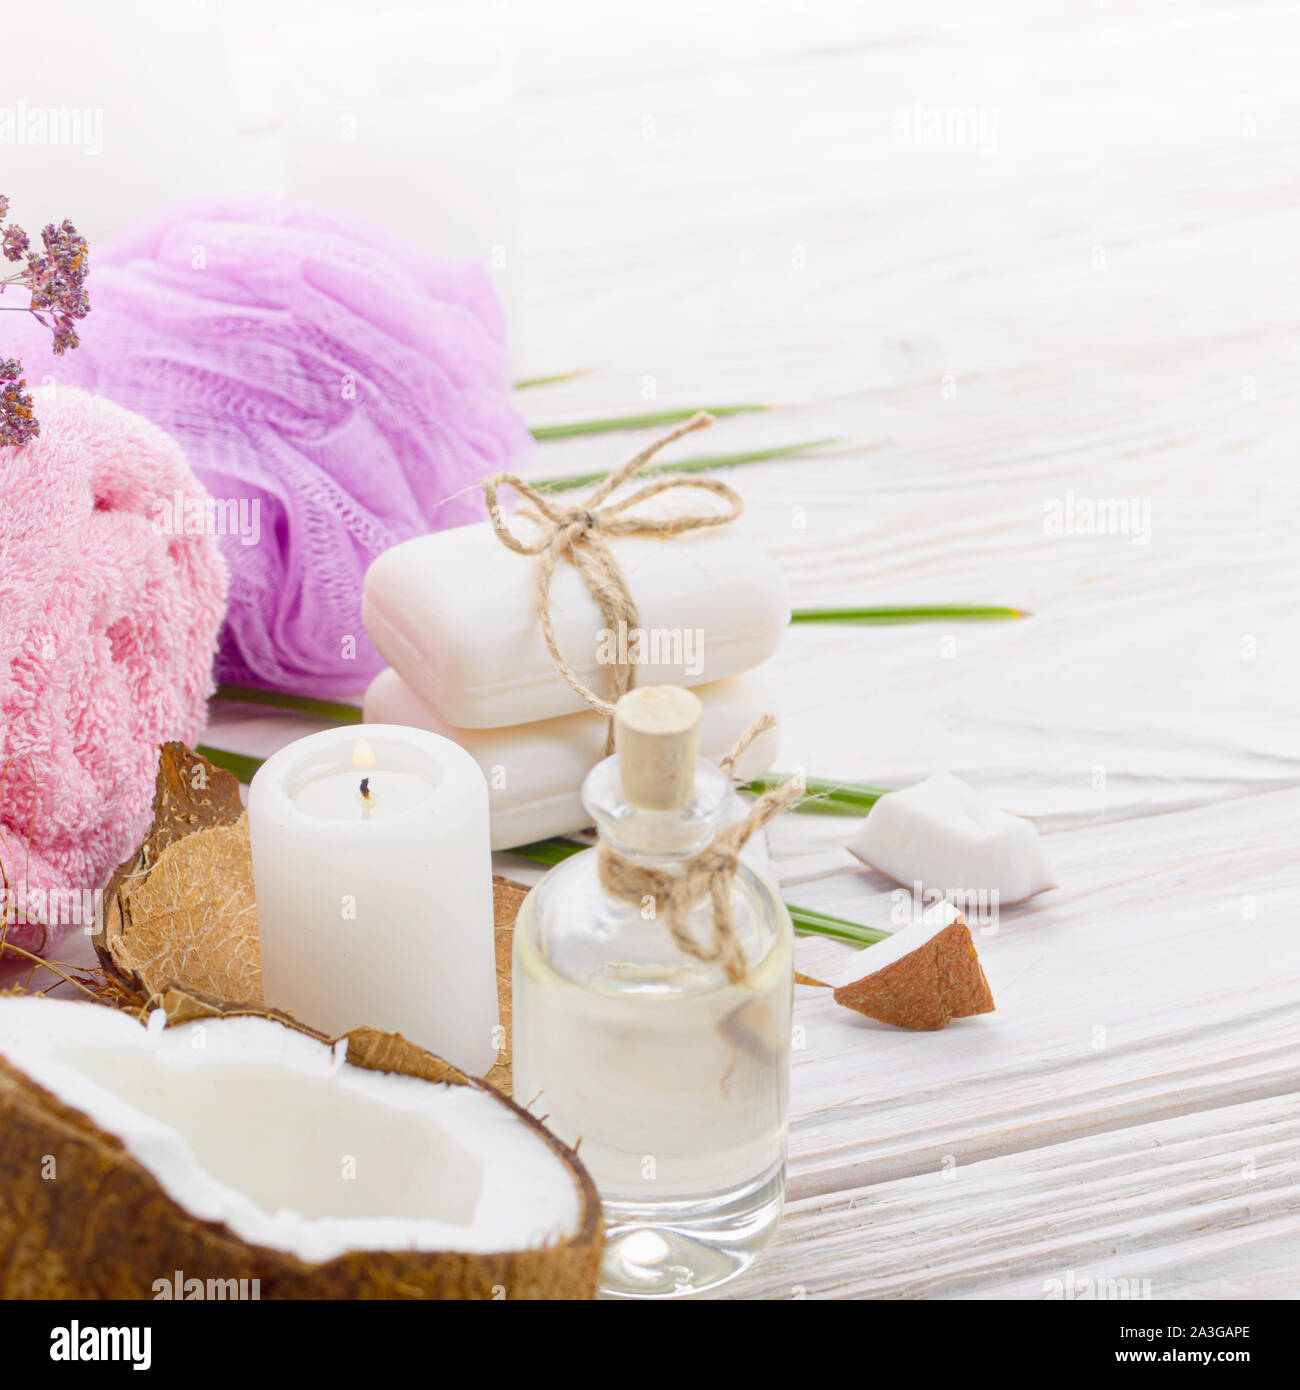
<point x="507" y="899"/>
<point x="190" y="919"/>
<point x="190" y="794"/>
<point x="926" y="988"/>
<point x="107" y="1229"/>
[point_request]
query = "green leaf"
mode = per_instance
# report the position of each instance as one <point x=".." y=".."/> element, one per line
<point x="823" y="798"/>
<point x="239" y="763"/>
<point x="527" y="383"/>
<point x="548" y="852"/>
<point x="700" y="465"/>
<point x="922" y="614"/>
<point x="813" y="923"/>
<point x="638" y="422"/>
<point x="278" y="699"/>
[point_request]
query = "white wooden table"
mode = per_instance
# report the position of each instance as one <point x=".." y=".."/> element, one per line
<point x="1013" y="255"/>
<point x="1087" y="287"/>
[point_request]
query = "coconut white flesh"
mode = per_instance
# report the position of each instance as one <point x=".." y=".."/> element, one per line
<point x="946" y="836"/>
<point x="857" y="962"/>
<point x="246" y="1122"/>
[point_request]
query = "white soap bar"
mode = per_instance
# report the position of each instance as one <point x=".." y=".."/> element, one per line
<point x="946" y="836"/>
<point x="455" y="614"/>
<point x="534" y="771"/>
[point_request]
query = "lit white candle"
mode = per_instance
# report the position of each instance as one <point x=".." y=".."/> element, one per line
<point x="374" y="888"/>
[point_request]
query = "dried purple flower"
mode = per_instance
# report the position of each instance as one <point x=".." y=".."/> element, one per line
<point x="65" y="337"/>
<point x="18" y="422"/>
<point x="56" y="283"/>
<point x="15" y="242"/>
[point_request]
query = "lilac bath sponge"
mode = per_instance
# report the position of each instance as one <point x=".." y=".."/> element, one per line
<point x="108" y="623"/>
<point x="336" y="389"/>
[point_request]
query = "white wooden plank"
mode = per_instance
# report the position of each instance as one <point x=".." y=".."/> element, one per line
<point x="1157" y="1202"/>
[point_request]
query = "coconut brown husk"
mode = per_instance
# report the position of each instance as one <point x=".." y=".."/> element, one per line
<point x="507" y="899"/>
<point x="104" y="1227"/>
<point x="190" y="793"/>
<point x="180" y="923"/>
<point x="926" y="989"/>
<point x="190" y="919"/>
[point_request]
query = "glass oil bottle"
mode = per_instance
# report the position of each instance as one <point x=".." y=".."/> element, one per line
<point x="669" y="1073"/>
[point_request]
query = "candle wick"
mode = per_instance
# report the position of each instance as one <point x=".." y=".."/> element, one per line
<point x="367" y="805"/>
<point x="365" y="787"/>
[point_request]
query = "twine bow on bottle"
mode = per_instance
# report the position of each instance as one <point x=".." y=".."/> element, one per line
<point x="579" y="534"/>
<point x="707" y="873"/>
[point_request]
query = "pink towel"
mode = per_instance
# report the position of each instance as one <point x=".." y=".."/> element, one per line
<point x="108" y="623"/>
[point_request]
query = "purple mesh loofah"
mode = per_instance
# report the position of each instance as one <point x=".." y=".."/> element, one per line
<point x="344" y="381"/>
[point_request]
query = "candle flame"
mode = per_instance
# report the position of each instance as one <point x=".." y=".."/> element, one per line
<point x="363" y="756"/>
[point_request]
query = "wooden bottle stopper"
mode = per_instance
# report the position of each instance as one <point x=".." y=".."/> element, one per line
<point x="657" y="738"/>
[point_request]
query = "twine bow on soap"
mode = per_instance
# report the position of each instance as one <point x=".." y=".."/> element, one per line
<point x="578" y="533"/>
<point x="709" y="873"/>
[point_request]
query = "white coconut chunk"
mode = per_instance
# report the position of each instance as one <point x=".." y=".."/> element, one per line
<point x="857" y="962"/>
<point x="944" y="835"/>
<point x="249" y="1123"/>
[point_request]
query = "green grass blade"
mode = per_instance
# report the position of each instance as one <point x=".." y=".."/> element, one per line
<point x="638" y="422"/>
<point x="277" y="699"/>
<point x="937" y="613"/>
<point x="813" y="923"/>
<point x="528" y="382"/>
<point x="823" y="798"/>
<point x="700" y="465"/>
<point x="547" y="852"/>
<point x="239" y="763"/>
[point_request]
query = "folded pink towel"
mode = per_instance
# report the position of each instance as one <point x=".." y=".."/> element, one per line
<point x="109" y="612"/>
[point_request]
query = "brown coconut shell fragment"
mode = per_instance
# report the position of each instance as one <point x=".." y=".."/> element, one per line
<point x="507" y="898"/>
<point x="189" y="919"/>
<point x="925" y="989"/>
<point x="191" y="794"/>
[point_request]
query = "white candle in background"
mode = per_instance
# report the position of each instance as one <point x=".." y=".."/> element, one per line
<point x="374" y="888"/>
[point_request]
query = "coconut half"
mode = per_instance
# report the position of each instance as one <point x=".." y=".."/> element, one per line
<point x="239" y="1147"/>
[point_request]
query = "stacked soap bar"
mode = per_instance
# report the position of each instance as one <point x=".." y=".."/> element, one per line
<point x="455" y="614"/>
<point x="534" y="771"/>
